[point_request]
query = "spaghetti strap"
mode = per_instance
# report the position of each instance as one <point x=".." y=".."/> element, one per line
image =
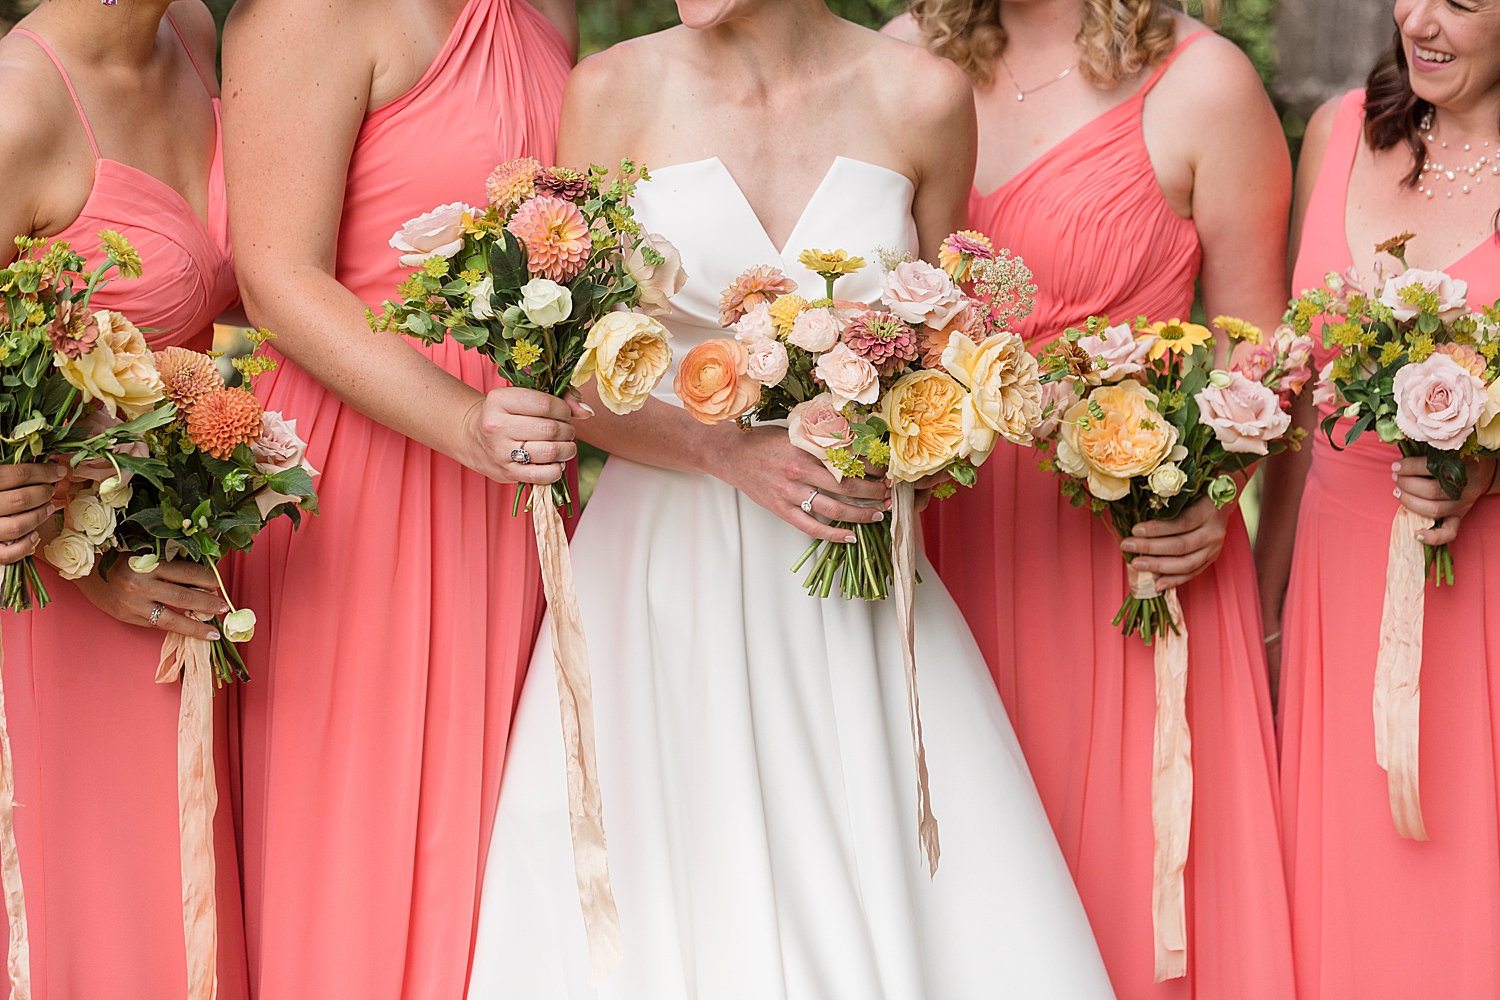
<point x="189" y="50"/>
<point x="1166" y="63"/>
<point x="88" y="131"/>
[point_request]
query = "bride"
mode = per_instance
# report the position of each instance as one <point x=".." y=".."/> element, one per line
<point x="754" y="754"/>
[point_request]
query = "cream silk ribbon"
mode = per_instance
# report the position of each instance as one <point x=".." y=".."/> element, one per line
<point x="1171" y="785"/>
<point x="191" y="661"/>
<point x="18" y="955"/>
<point x="903" y="589"/>
<point x="1398" y="671"/>
<point x="575" y="698"/>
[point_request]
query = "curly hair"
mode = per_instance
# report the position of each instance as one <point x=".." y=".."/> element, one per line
<point x="1119" y="38"/>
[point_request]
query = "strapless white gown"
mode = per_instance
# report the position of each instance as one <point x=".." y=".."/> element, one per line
<point x="754" y="753"/>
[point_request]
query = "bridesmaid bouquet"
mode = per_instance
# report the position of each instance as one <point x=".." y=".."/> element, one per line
<point x="923" y="382"/>
<point x="1140" y="425"/>
<point x="1415" y="364"/>
<point x="556" y="283"/>
<point x="78" y="382"/>
<point x="543" y="281"/>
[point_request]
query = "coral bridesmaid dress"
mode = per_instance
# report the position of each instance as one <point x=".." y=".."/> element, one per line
<point x="397" y="625"/>
<point x="94" y="737"/>
<point x="1375" y="916"/>
<point x="1039" y="582"/>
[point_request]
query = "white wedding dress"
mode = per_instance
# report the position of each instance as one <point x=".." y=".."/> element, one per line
<point x="754" y="753"/>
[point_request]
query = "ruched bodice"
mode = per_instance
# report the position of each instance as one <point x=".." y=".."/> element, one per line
<point x="188" y="278"/>
<point x="858" y="207"/>
<point x="1126" y="253"/>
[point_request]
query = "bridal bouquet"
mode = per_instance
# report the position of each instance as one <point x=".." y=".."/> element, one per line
<point x="1140" y="424"/>
<point x="78" y="383"/>
<point x="921" y="383"/>
<point x="1417" y="365"/>
<point x="556" y="283"/>
<point x="543" y="281"/>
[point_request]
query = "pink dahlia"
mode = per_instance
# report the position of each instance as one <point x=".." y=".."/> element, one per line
<point x="561" y="182"/>
<point x="756" y="285"/>
<point x="883" y="340"/>
<point x="511" y="183"/>
<point x="556" y="237"/>
<point x="73" y="331"/>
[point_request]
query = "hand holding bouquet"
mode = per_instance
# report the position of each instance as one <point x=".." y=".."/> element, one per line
<point x="920" y="385"/>
<point x="1143" y="425"/>
<point x="1418" y="366"/>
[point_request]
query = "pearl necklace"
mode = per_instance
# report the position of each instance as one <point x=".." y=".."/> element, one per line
<point x="1466" y="177"/>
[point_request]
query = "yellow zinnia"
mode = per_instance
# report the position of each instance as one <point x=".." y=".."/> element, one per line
<point x="830" y="263"/>
<point x="1178" y="337"/>
<point x="1239" y="329"/>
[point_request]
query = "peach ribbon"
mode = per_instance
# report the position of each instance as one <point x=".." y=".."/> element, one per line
<point x="1398" y="671"/>
<point x="18" y="953"/>
<point x="903" y="589"/>
<point x="191" y="661"/>
<point x="575" y="699"/>
<point x="1171" y="785"/>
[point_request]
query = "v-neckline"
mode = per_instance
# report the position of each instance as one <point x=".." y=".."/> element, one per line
<point x="806" y="208"/>
<point x="1053" y="150"/>
<point x="204" y="223"/>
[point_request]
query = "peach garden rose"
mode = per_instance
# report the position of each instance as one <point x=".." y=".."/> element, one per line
<point x="1131" y="440"/>
<point x="1005" y="393"/>
<point x="120" y="371"/>
<point x="925" y="412"/>
<point x="627" y="354"/>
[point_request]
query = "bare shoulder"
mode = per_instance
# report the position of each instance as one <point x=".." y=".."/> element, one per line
<point x="305" y="25"/>
<point x="37" y="113"/>
<point x="1212" y="76"/>
<point x="199" y="32"/>
<point x="915" y="83"/>
<point x="613" y="97"/>
<point x="904" y="27"/>
<point x="1315" y="139"/>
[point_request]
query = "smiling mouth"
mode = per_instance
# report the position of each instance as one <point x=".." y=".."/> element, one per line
<point x="1428" y="55"/>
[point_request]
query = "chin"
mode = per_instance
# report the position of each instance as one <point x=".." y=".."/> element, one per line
<point x="701" y="15"/>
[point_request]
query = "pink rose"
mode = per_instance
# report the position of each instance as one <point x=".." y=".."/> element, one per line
<point x="1118" y="353"/>
<point x="1256" y="362"/>
<point x="755" y="325"/>
<point x="816" y="330"/>
<point x="768" y="361"/>
<point x="1245" y="415"/>
<point x="1057" y="398"/>
<point x="848" y="376"/>
<point x="818" y="425"/>
<point x="1325" y="393"/>
<point x="1438" y="401"/>
<point x="439" y="233"/>
<point x="920" y="293"/>
<point x="278" y="449"/>
<point x="1451" y="293"/>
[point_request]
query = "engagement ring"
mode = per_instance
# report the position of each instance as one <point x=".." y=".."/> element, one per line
<point x="807" y="504"/>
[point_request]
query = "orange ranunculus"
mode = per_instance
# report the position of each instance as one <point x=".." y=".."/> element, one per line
<point x="713" y="383"/>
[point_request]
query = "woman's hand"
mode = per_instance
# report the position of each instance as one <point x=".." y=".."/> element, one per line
<point x="510" y="418"/>
<point x="1421" y="494"/>
<point x="177" y="586"/>
<point x="25" y="504"/>
<point x="1179" y="548"/>
<point x="769" y="469"/>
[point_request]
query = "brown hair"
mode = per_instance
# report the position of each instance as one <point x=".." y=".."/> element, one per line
<point x="1393" y="111"/>
<point x="1119" y="38"/>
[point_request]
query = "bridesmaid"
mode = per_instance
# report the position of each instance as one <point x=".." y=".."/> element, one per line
<point x="113" y="124"/>
<point x="1125" y="153"/>
<point x="397" y="625"/>
<point x="25" y="503"/>
<point x="1375" y="916"/>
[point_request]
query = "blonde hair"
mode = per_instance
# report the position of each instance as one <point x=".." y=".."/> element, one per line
<point x="1119" y="38"/>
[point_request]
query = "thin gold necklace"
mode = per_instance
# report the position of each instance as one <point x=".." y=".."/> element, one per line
<point x="1021" y="94"/>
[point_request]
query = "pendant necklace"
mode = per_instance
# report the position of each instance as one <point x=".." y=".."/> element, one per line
<point x="1021" y="95"/>
<point x="1467" y="176"/>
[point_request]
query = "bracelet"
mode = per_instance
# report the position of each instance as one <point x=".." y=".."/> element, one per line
<point x="1274" y="636"/>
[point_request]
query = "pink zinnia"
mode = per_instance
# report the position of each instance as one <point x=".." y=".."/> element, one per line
<point x="556" y="237"/>
<point x="758" y="284"/>
<point x="883" y="340"/>
<point x="962" y="248"/>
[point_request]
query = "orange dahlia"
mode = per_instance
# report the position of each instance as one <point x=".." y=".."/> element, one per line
<point x="223" y="420"/>
<point x="511" y="183"/>
<point x="556" y="237"/>
<point x="756" y="285"/>
<point x="187" y="376"/>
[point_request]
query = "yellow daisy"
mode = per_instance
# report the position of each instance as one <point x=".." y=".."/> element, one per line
<point x="1239" y="329"/>
<point x="1177" y="337"/>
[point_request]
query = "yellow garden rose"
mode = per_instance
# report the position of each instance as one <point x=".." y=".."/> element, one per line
<point x="1130" y="440"/>
<point x="119" y="372"/>
<point x="1488" y="430"/>
<point x="925" y="411"/>
<point x="627" y="354"/>
<point x="1005" y="393"/>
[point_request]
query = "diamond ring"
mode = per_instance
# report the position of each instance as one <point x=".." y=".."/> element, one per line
<point x="807" y="504"/>
<point x="520" y="456"/>
<point x="156" y="614"/>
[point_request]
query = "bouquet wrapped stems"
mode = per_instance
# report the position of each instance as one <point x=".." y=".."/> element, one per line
<point x="861" y="569"/>
<point x="22" y="588"/>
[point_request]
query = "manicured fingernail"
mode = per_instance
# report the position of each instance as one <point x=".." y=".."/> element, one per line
<point x="1395" y="466"/>
<point x="1127" y="546"/>
<point x="1395" y="478"/>
<point x="586" y="408"/>
<point x="849" y="539"/>
<point x="1396" y="493"/>
<point x="223" y="609"/>
<point x="213" y="637"/>
<point x="1421" y="537"/>
<point x="879" y="516"/>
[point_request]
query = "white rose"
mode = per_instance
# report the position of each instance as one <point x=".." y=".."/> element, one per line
<point x="439" y="233"/>
<point x="1166" y="480"/>
<point x="239" y="626"/>
<point x="92" y="518"/>
<point x="1451" y="293"/>
<point x="755" y="325"/>
<point x="816" y="330"/>
<point x="545" y="302"/>
<point x="657" y="282"/>
<point x="479" y="298"/>
<point x="71" y="555"/>
<point x="768" y="361"/>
